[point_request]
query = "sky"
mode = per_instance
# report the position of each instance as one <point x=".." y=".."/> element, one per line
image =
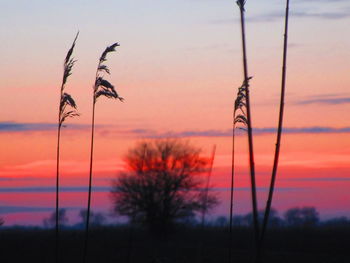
<point x="178" y="67"/>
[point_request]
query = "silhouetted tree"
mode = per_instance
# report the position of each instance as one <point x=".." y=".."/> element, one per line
<point x="162" y="184"/>
<point x="221" y="221"/>
<point x="62" y="218"/>
<point x="337" y="222"/>
<point x="96" y="219"/>
<point x="204" y="195"/>
<point x="275" y="220"/>
<point x="306" y="216"/>
<point x="237" y="220"/>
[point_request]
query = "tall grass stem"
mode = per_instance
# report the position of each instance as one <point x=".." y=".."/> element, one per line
<point x="103" y="88"/>
<point x="87" y="223"/>
<point x="241" y="4"/>
<point x="232" y="190"/>
<point x="279" y="131"/>
<point x="64" y="101"/>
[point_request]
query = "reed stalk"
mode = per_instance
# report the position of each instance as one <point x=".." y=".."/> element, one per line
<point x="279" y="131"/>
<point x="231" y="191"/>
<point x="239" y="116"/>
<point x="248" y="122"/>
<point x="102" y="87"/>
<point x="65" y="101"/>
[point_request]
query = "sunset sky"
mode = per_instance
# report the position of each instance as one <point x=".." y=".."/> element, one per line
<point x="178" y="67"/>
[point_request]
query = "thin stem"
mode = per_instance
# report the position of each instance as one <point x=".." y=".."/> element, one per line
<point x="231" y="192"/>
<point x="90" y="171"/>
<point x="62" y="115"/>
<point x="107" y="93"/>
<point x="250" y="135"/>
<point x="90" y="182"/>
<point x="279" y="131"/>
<point x="57" y="193"/>
<point x="57" y="175"/>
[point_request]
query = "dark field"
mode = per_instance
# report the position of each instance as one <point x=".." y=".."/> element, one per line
<point x="122" y="244"/>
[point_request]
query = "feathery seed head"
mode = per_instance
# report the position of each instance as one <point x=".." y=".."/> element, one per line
<point x="107" y="50"/>
<point x="70" y="51"/>
<point x="104" y="68"/>
<point x="104" y="87"/>
<point x="68" y="70"/>
<point x="66" y="99"/>
<point x="241" y="4"/>
<point x="240" y="103"/>
<point x="69" y="62"/>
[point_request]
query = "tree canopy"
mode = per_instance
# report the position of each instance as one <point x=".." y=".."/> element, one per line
<point x="162" y="184"/>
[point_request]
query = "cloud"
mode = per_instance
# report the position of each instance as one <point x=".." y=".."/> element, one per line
<point x="322" y="15"/>
<point x="227" y="133"/>
<point x="324" y="1"/>
<point x="26" y="178"/>
<point x="31" y="209"/>
<point x="316" y="129"/>
<point x="207" y="133"/>
<point x="40" y="189"/>
<point x="103" y="189"/>
<point x="223" y="21"/>
<point x="325" y="100"/>
<point x="318" y="179"/>
<point x="259" y="189"/>
<point x="275" y="16"/>
<point x="271" y="17"/>
<point x="22" y="209"/>
<point x="148" y="133"/>
<point x="22" y="126"/>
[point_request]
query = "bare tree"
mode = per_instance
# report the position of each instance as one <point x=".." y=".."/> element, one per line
<point x="306" y="216"/>
<point x="96" y="218"/>
<point x="162" y="184"/>
<point x="61" y="218"/>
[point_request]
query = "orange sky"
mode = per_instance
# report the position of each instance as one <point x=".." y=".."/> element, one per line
<point x="178" y="67"/>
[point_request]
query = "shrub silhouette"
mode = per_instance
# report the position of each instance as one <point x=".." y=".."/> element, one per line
<point x="62" y="218"/>
<point x="306" y="216"/>
<point x="96" y="219"/>
<point x="161" y="186"/>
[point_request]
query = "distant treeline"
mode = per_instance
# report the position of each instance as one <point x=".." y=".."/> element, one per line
<point x="293" y="217"/>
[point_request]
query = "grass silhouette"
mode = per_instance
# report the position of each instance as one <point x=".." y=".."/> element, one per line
<point x="67" y="109"/>
<point x="279" y="131"/>
<point x="102" y="87"/>
<point x="245" y="118"/>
